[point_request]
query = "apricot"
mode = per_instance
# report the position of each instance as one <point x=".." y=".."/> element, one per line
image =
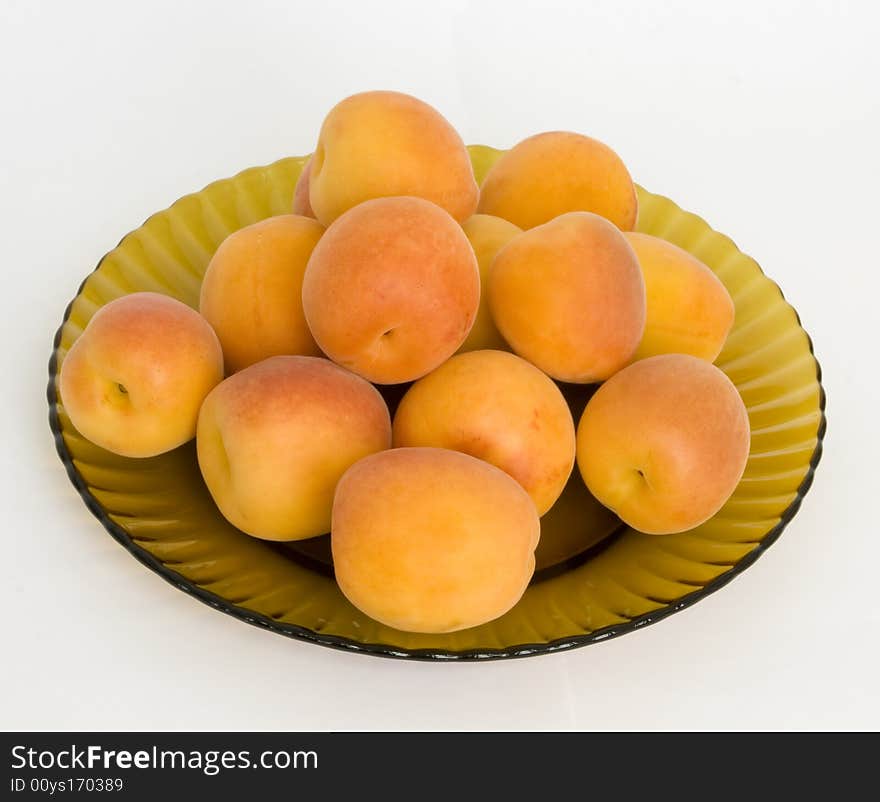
<point x="382" y="144"/>
<point x="574" y="524"/>
<point x="274" y="438"/>
<point x="689" y="310"/>
<point x="134" y="380"/>
<point x="664" y="442"/>
<point x="569" y="297"/>
<point x="498" y="408"/>
<point x="487" y="236"/>
<point x="556" y="172"/>
<point x="392" y="289"/>
<point x="301" y="204"/>
<point x="252" y="290"/>
<point x="431" y="540"/>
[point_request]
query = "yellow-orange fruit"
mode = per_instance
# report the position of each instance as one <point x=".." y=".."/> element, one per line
<point x="569" y="297"/>
<point x="392" y="289"/>
<point x="382" y="144"/>
<point x="550" y="174"/>
<point x="134" y="380"/>
<point x="252" y="290"/>
<point x="431" y="540"/>
<point x="487" y="236"/>
<point x="498" y="408"/>
<point x="274" y="438"/>
<point x="689" y="309"/>
<point x="301" y="204"/>
<point x="664" y="443"/>
<point x="576" y="522"/>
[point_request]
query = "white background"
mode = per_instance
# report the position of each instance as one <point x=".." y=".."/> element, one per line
<point x="762" y="117"/>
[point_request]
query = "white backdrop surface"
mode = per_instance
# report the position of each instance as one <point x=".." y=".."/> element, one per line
<point x="763" y="118"/>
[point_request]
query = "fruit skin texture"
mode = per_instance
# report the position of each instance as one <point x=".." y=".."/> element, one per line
<point x="301" y="204"/>
<point x="274" y="439"/>
<point x="689" y="309"/>
<point x="487" y="236"/>
<point x="252" y="290"/>
<point x="382" y="144"/>
<point x="165" y="356"/>
<point x="392" y="289"/>
<point x="431" y="540"/>
<point x="498" y="408"/>
<point x="664" y="443"/>
<point x="569" y="297"/>
<point x="556" y="172"/>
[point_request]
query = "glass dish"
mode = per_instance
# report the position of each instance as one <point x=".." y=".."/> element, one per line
<point x="596" y="578"/>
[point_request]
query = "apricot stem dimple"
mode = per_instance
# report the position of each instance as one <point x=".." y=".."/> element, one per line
<point x="223" y="454"/>
<point x="116" y="395"/>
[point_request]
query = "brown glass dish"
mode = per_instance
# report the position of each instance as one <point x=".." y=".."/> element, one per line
<point x="597" y="579"/>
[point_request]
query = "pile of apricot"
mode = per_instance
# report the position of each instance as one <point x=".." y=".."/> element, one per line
<point x="395" y="267"/>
